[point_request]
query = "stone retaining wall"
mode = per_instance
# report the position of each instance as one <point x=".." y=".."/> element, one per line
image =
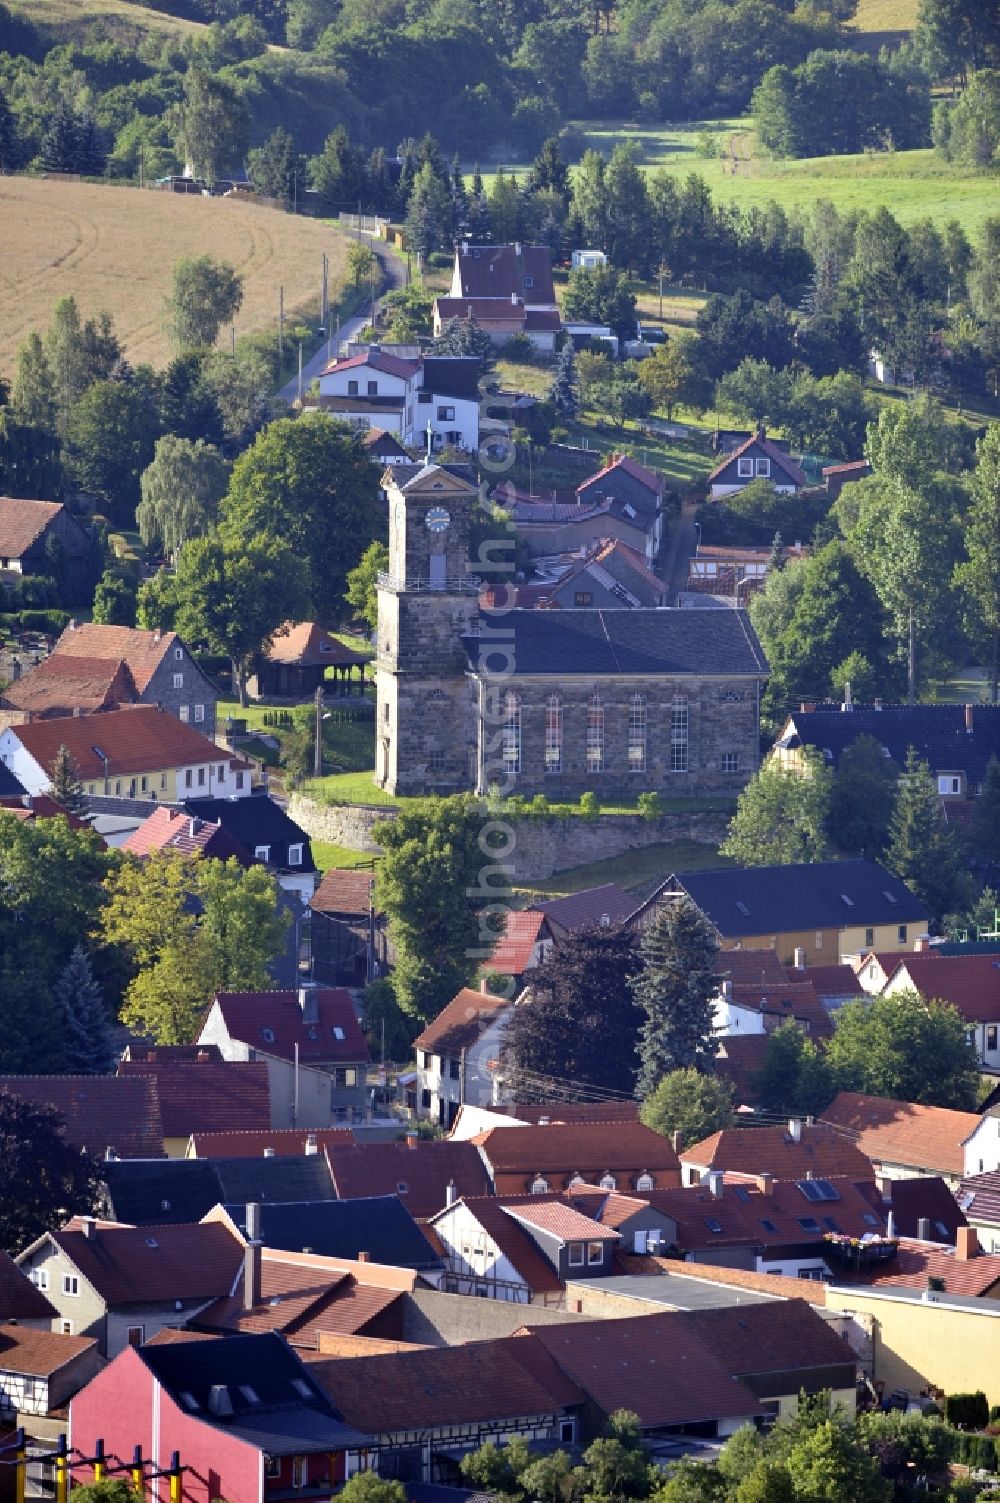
<point x="544" y="846"/>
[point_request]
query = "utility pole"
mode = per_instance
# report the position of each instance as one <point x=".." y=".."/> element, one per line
<point x="318" y="749"/>
<point x="324" y="301"/>
<point x="300" y="372"/>
<point x="232" y="340"/>
<point x="281" y="323"/>
<point x="142" y="170"/>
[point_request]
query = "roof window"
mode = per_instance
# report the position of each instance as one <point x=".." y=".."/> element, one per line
<point x="888" y="895"/>
<point x="189" y="1401"/>
<point x="338" y="1032"/>
<point x="768" y="1226"/>
<point x="808" y="1223"/>
<point x="712" y="1224"/>
<point x="250" y="1394"/>
<point x="818" y="1189"/>
<point x="151" y="1242"/>
<point x="845" y="899"/>
<point x="267" y="1034"/>
<point x="869" y="1219"/>
<point x="742" y="907"/>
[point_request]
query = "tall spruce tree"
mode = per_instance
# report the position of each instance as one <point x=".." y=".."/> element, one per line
<point x="986" y="817"/>
<point x="87" y="1033"/>
<point x="563" y="396"/>
<point x="923" y="851"/>
<point x="674" y="988"/>
<point x="66" y="787"/>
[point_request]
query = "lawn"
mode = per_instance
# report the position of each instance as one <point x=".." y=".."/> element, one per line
<point x="327" y="856"/>
<point x="114" y="248"/>
<point x="68" y="20"/>
<point x="911" y="184"/>
<point x="356" y="787"/>
<point x="637" y="871"/>
<point x="348" y="745"/>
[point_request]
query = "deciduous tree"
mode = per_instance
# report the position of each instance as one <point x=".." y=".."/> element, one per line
<point x="795" y="1078"/>
<point x="210" y="125"/>
<point x="43" y="1179"/>
<point x="362" y="582"/>
<point x="204" y="295"/>
<point x="781" y="815"/>
<point x="979" y="576"/>
<point x="181" y="491"/>
<point x="905" y="1048"/>
<point x="861" y="799"/>
<point x="688" y="1102"/>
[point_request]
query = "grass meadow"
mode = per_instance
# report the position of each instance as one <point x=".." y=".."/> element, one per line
<point x="114" y="248"/>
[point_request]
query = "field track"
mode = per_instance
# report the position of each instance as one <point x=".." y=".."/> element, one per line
<point x="114" y="249"/>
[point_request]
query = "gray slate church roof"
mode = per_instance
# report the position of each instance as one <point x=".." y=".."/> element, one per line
<point x="720" y="643"/>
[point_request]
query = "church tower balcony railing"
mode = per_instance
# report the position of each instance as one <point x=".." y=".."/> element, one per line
<point x="467" y="584"/>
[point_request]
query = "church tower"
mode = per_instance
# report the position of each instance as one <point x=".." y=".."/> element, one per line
<point x="428" y="600"/>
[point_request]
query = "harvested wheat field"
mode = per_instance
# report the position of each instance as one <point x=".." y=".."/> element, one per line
<point x="114" y="249"/>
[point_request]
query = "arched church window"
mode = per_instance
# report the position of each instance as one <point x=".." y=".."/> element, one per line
<point x="553" y="733"/>
<point x="595" y="735"/>
<point x="637" y="733"/>
<point x="510" y="733"/>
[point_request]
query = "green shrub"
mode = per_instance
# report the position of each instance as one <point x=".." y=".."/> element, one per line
<point x="519" y="349"/>
<point x="650" y="805"/>
<point x="967" y="1411"/>
<point x="50" y="623"/>
<point x="539" y="806"/>
<point x="590" y="806"/>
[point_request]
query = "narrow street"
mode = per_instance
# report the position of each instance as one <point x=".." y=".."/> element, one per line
<point x="680" y="548"/>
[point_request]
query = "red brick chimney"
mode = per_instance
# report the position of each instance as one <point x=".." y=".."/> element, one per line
<point x="967" y="1244"/>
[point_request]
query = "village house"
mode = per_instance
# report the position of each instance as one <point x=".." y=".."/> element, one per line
<point x="42" y="537"/>
<point x="969" y="983"/>
<point x="65" y="685"/>
<point x="824" y="911"/>
<point x="281" y="1142"/>
<point x="607" y="575"/>
<point x="139" y="753"/>
<point x="531" y="934"/>
<point x="160" y="663"/>
<point x="40" y="1371"/>
<point x="121" y="1284"/>
<point x="384" y="448"/>
<point x="267" y="833"/>
<point x="202" y="1092"/>
<point x="433" y="399"/>
<point x="107" y="1116"/>
<point x="551" y="1157"/>
<point x="614" y="700"/>
<point x="836" y="476"/>
<point x="792" y="1151"/>
<point x="956" y="741"/>
<point x="426" y="1174"/>
<point x="757" y="458"/>
<point x="374" y="1228"/>
<point x="734" y="572"/>
<point x="348" y="940"/>
<point x="311" y="1041"/>
<point x="458" y="1055"/>
<point x="243" y="1414"/>
<point x="979" y="1197"/>
<point x="902" y="1138"/>
<point x="633" y="490"/>
<point x="964" y="1269"/>
<point x="297" y="659"/>
<point x="157" y="1192"/>
<point x="559" y="527"/>
<point x="507" y="290"/>
<point x="981" y="1144"/>
<point x="168" y="829"/>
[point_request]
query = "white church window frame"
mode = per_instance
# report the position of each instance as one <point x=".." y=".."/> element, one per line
<point x="595" y="734"/>
<point x="637" y="733"/>
<point x="679" y="732"/>
<point x="553" y="733"/>
<point x="510" y="733"/>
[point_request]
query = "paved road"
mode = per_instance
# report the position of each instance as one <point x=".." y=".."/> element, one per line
<point x="683" y="541"/>
<point x="392" y="277"/>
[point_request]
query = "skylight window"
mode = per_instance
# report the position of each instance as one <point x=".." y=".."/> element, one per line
<point x="338" y="1032"/>
<point x="830" y="1224"/>
<point x="845" y="899"/>
<point x="888" y="895"/>
<point x="267" y="1034"/>
<point x="742" y="907"/>
<point x="818" y="1189"/>
<point x="151" y="1242"/>
<point x="869" y="1219"/>
<point x="302" y="1388"/>
<point x="712" y="1224"/>
<point x="189" y="1401"/>
<point x="741" y="1192"/>
<point x="808" y="1223"/>
<point x="768" y="1226"/>
<point x="250" y="1394"/>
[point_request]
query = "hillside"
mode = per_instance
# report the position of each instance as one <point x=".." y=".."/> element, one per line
<point x="69" y="20"/>
<point x="114" y="248"/>
<point x="883" y="23"/>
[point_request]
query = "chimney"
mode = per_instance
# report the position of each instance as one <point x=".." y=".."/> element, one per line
<point x="251" y="1274"/>
<point x="307" y="1004"/>
<point x="924" y="1229"/>
<point x="765" y="1184"/>
<point x="966" y="1243"/>
<point x="192" y="827"/>
<point x="411" y="1140"/>
<point x="795" y="1129"/>
<point x="202" y="1057"/>
<point x="676" y="1141"/>
<point x="800" y="958"/>
<point x="715" y="1183"/>
<point x="807" y="706"/>
<point x="88" y="1227"/>
<point x="269" y="1153"/>
<point x="878" y="704"/>
<point x="848" y="702"/>
<point x="15" y="670"/>
<point x="727" y="989"/>
<point x="517" y="247"/>
<point x="969" y="711"/>
<point x="922" y="944"/>
<point x="312" y="1147"/>
<point x="253" y="1220"/>
<point x="157" y="634"/>
<point x="605" y="921"/>
<point x="219" y="1402"/>
<point x="890" y="1224"/>
<point x="364" y="1257"/>
<point x="513" y="298"/>
<point x="544" y="1121"/>
<point x="451" y="1193"/>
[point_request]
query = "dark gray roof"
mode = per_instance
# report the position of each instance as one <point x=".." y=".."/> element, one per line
<point x="10" y="787"/>
<point x="721" y="643"/>
<point x="404" y="473"/>
<point x="784" y="899"/>
<point x="276" y="1405"/>
<point x="254" y="821"/>
<point x="379" y="1225"/>
<point x="937" y="731"/>
<point x="452" y="376"/>
<point x="150" y="1192"/>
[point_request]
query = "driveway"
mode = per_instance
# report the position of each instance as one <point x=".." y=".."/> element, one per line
<point x="681" y="548"/>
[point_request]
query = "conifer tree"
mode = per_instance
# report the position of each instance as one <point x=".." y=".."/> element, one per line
<point x="986" y="818"/>
<point x="61" y="141"/>
<point x="89" y="1050"/>
<point x="66" y="787"/>
<point x="923" y="851"/>
<point x="563" y="396"/>
<point x="674" y="988"/>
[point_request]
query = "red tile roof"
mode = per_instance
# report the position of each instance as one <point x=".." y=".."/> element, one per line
<point x="590" y="1149"/>
<point x="512" y="1240"/>
<point x="389" y="365"/>
<point x="100" y="1112"/>
<point x="428" y="1387"/>
<point x="484" y="310"/>
<point x="22" y="523"/>
<point x="301" y="1301"/>
<point x="140" y="1265"/>
<point x="143" y="651"/>
<point x="39" y="1354"/>
<point x="655" y="1365"/>
<point x="250" y="1016"/>
<point x="776" y="456"/>
<point x="916" y="1262"/>
<point x="633" y="558"/>
<point x="554" y="1216"/>
<point x="462" y="1022"/>
<point x="343" y="892"/>
<point x="775" y="1284"/>
<point x="515" y="946"/>
<point x="740" y="1059"/>
<point x="778" y="1004"/>
<point x="169" y="829"/>
<point x="63" y="683"/>
<point x="142" y="738"/>
<point x="288" y="1142"/>
<point x="418" y="1172"/>
<point x="841" y="469"/>
<point x="574" y="1111"/>
<point x="606" y="1206"/>
<point x="821" y="1151"/>
<point x="746" y="1216"/>
<point x="751" y="967"/>
<point x="979" y="1197"/>
<point x="901" y="1132"/>
<point x="497" y="271"/>
<point x="19" y="1299"/>
<point x="971" y="983"/>
<point x="309" y="645"/>
<point x="206" y="1095"/>
<point x="834" y="980"/>
<point x="39" y="806"/>
<point x="625" y="464"/>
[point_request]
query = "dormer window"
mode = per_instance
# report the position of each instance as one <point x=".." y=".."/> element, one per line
<point x="644" y="1182"/>
<point x="608" y="1182"/>
<point x="295" y="855"/>
<point x="262" y="853"/>
<point x="540" y="1185"/>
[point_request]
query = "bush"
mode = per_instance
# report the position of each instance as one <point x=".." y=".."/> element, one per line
<point x="519" y="349"/>
<point x="50" y="623"/>
<point x="539" y="806"/>
<point x="29" y="591"/>
<point x="967" y="1411"/>
<point x="650" y="805"/>
<point x="590" y="806"/>
<point x="441" y="259"/>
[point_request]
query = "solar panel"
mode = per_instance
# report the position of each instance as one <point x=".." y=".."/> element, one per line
<point x="817" y="1190"/>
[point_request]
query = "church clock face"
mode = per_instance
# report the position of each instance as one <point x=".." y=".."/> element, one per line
<point x="437" y="519"/>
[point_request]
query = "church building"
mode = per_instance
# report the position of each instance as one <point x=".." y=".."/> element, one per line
<point x="618" y="702"/>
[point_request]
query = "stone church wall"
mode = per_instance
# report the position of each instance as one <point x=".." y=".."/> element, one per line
<point x="544" y="846"/>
